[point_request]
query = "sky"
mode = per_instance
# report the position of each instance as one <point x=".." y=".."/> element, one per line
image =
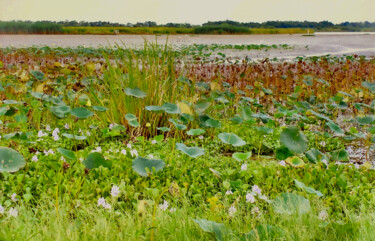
<point x="188" y="11"/>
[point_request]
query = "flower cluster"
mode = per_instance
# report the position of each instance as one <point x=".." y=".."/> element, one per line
<point x="104" y="204"/>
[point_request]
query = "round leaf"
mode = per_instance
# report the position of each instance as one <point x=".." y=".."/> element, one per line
<point x="290" y="203"/>
<point x="95" y="160"/>
<point x="144" y="166"/>
<point x="190" y="151"/>
<point x="81" y="113"/>
<point x="10" y="160"/>
<point x="293" y="140"/>
<point x="239" y="156"/>
<point x="232" y="139"/>
<point x="135" y="93"/>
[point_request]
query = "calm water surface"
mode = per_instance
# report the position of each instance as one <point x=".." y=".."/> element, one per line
<point x="320" y="44"/>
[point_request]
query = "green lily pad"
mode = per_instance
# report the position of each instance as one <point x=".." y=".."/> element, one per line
<point x="144" y="166"/>
<point x="154" y="108"/>
<point x="315" y="156"/>
<point x="60" y="111"/>
<point x="307" y="189"/>
<point x="335" y="128"/>
<point x="171" y="108"/>
<point x="239" y="156"/>
<point x="67" y="153"/>
<point x="37" y="75"/>
<point x="136" y="92"/>
<point x="366" y="120"/>
<point x="218" y="229"/>
<point x="177" y="125"/>
<point x="290" y="203"/>
<point x="10" y="160"/>
<point x="190" y="151"/>
<point x="70" y="136"/>
<point x="95" y="160"/>
<point x="163" y="129"/>
<point x="295" y="141"/>
<point x="195" y="132"/>
<point x="132" y="120"/>
<point x="232" y="139"/>
<point x="295" y="161"/>
<point x="340" y="155"/>
<point x="100" y="108"/>
<point x="81" y="113"/>
<point x="283" y="153"/>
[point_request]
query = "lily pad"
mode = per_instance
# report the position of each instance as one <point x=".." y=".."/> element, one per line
<point x="144" y="166"/>
<point x="190" y="151"/>
<point x="239" y="156"/>
<point x="60" y="111"/>
<point x="335" y="128"/>
<point x="95" y="160"/>
<point x="218" y="229"/>
<point x="135" y="92"/>
<point x="195" y="132"/>
<point x="100" y="108"/>
<point x="81" y="113"/>
<point x="10" y="160"/>
<point x="315" y="156"/>
<point x="171" y="108"/>
<point x="295" y="161"/>
<point x="132" y="120"/>
<point x="307" y="189"/>
<point x="232" y="139"/>
<point x="294" y="140"/>
<point x="67" y="153"/>
<point x="290" y="203"/>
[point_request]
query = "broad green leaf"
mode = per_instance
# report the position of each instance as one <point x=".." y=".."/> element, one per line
<point x="190" y="151"/>
<point x="60" y="111"/>
<point x="70" y="136"/>
<point x="335" y="128"/>
<point x="100" y="108"/>
<point x="171" y="108"/>
<point x="340" y="155"/>
<point x="201" y="106"/>
<point x="163" y="129"/>
<point x="232" y="139"/>
<point x="67" y="153"/>
<point x="307" y="189"/>
<point x="295" y="161"/>
<point x="283" y="153"/>
<point x="144" y="166"/>
<point x="294" y="140"/>
<point x="320" y="116"/>
<point x="290" y="203"/>
<point x="135" y="92"/>
<point x="81" y="113"/>
<point x="218" y="229"/>
<point x="10" y="160"/>
<point x="37" y="75"/>
<point x="95" y="160"/>
<point x="366" y="120"/>
<point x="195" y="132"/>
<point x="239" y="156"/>
<point x="315" y="156"/>
<point x="132" y="120"/>
<point x="154" y="108"/>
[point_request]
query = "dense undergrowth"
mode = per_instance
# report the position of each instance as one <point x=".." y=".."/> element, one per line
<point x="162" y="144"/>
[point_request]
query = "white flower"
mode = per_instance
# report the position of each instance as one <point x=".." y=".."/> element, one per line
<point x="250" y="198"/>
<point x="56" y="130"/>
<point x="101" y="202"/>
<point x="48" y="128"/>
<point x="243" y="167"/>
<point x="123" y="152"/>
<point x="172" y="210"/>
<point x="49" y="152"/>
<point x="88" y="133"/>
<point x="229" y="192"/>
<point x="255" y="210"/>
<point x="41" y="134"/>
<point x="98" y="149"/>
<point x="115" y="191"/>
<point x="263" y="197"/>
<point x="323" y="143"/>
<point x="282" y="163"/>
<point x="129" y="146"/>
<point x="257" y="190"/>
<point x="107" y="206"/>
<point x="55" y="136"/>
<point x="232" y="210"/>
<point x="323" y="215"/>
<point x="35" y="158"/>
<point x="201" y="137"/>
<point x="111" y="126"/>
<point x="153" y="142"/>
<point x="13" y="212"/>
<point x="151" y="156"/>
<point x="80" y="131"/>
<point x="356" y="165"/>
<point x="66" y="126"/>
<point x="13" y="197"/>
<point x="2" y="209"/>
<point x="164" y="206"/>
<point x="134" y="152"/>
<point x="62" y="159"/>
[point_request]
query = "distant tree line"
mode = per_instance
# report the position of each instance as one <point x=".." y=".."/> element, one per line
<point x="227" y="26"/>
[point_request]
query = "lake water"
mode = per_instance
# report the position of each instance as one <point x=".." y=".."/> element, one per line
<point x="321" y="44"/>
